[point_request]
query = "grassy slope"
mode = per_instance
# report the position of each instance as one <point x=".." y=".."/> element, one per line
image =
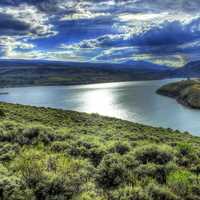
<point x="55" y="155"/>
<point x="186" y="92"/>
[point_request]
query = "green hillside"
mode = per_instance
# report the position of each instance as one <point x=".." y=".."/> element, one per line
<point x="49" y="154"/>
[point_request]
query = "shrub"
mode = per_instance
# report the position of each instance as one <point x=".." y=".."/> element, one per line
<point x="96" y="154"/>
<point x="2" y="113"/>
<point x="192" y="197"/>
<point x="59" y="146"/>
<point x="35" y="134"/>
<point x="184" y="149"/>
<point x="129" y="193"/>
<point x="157" y="172"/>
<point x="8" y="151"/>
<point x="86" y="150"/>
<point x="156" y="192"/>
<point x="186" y="155"/>
<point x="9" y="131"/>
<point x="90" y="192"/>
<point x="181" y="181"/>
<point x="10" y="186"/>
<point x="51" y="177"/>
<point x="90" y="195"/>
<point x="120" y="147"/>
<point x="154" y="154"/>
<point x="111" y="172"/>
<point x="31" y="165"/>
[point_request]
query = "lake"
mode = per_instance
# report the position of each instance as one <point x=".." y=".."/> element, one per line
<point x="133" y="101"/>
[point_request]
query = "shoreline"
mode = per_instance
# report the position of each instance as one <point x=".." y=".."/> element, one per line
<point x="87" y="83"/>
<point x="184" y="92"/>
<point x="101" y="116"/>
<point x="42" y="108"/>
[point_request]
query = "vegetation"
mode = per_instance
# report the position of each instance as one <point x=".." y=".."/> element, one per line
<point x="186" y="92"/>
<point x="29" y="73"/>
<point x="49" y="154"/>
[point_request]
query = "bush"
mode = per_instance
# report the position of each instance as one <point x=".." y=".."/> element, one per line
<point x="157" y="172"/>
<point x="120" y="147"/>
<point x="184" y="149"/>
<point x="156" y="192"/>
<point x="10" y="186"/>
<point x="154" y="154"/>
<point x="90" y="192"/>
<point x="35" y="134"/>
<point x="59" y="146"/>
<point x="51" y="177"/>
<point x="2" y="113"/>
<point x="129" y="193"/>
<point x="180" y="182"/>
<point x="86" y="150"/>
<point x="90" y="195"/>
<point x="111" y="172"/>
<point x="9" y="131"/>
<point x="8" y="151"/>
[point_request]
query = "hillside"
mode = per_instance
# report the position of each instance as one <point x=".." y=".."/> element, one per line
<point x="191" y="69"/>
<point x="15" y="73"/>
<point x="185" y="92"/>
<point x="49" y="154"/>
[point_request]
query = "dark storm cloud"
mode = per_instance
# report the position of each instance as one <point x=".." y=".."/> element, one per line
<point x="10" y="26"/>
<point x="167" y="34"/>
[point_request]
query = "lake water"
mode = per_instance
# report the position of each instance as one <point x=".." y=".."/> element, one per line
<point x="133" y="101"/>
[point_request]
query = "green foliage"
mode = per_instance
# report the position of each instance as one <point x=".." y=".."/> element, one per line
<point x="129" y="193"/>
<point x="120" y="147"/>
<point x="156" y="172"/>
<point x="154" y="153"/>
<point x="181" y="181"/>
<point x="49" y="154"/>
<point x="2" y="113"/>
<point x="50" y="177"/>
<point x="156" y="192"/>
<point x="9" y="185"/>
<point x="111" y="172"/>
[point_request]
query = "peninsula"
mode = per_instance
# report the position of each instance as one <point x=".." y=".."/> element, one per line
<point x="186" y="92"/>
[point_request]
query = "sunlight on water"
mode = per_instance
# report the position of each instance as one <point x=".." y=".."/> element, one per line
<point x="102" y="101"/>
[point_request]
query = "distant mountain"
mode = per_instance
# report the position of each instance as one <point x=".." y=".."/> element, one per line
<point x="144" y="65"/>
<point x="192" y="69"/>
<point x="42" y="72"/>
<point x="140" y="65"/>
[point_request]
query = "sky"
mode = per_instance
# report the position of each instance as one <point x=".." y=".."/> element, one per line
<point x="165" y="32"/>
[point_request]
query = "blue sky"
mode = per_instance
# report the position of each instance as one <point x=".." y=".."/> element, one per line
<point x="164" y="32"/>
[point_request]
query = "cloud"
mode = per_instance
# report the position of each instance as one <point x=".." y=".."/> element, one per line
<point x="9" y="44"/>
<point x="101" y="30"/>
<point x="170" y="43"/>
<point x="24" y="20"/>
<point x="168" y="33"/>
<point x="10" y="26"/>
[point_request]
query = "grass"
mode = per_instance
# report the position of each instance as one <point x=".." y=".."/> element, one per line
<point x="50" y="154"/>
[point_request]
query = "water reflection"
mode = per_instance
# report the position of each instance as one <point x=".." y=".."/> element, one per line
<point x="102" y="101"/>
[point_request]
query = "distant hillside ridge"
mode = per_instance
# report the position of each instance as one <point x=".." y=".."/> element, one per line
<point x="29" y="73"/>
